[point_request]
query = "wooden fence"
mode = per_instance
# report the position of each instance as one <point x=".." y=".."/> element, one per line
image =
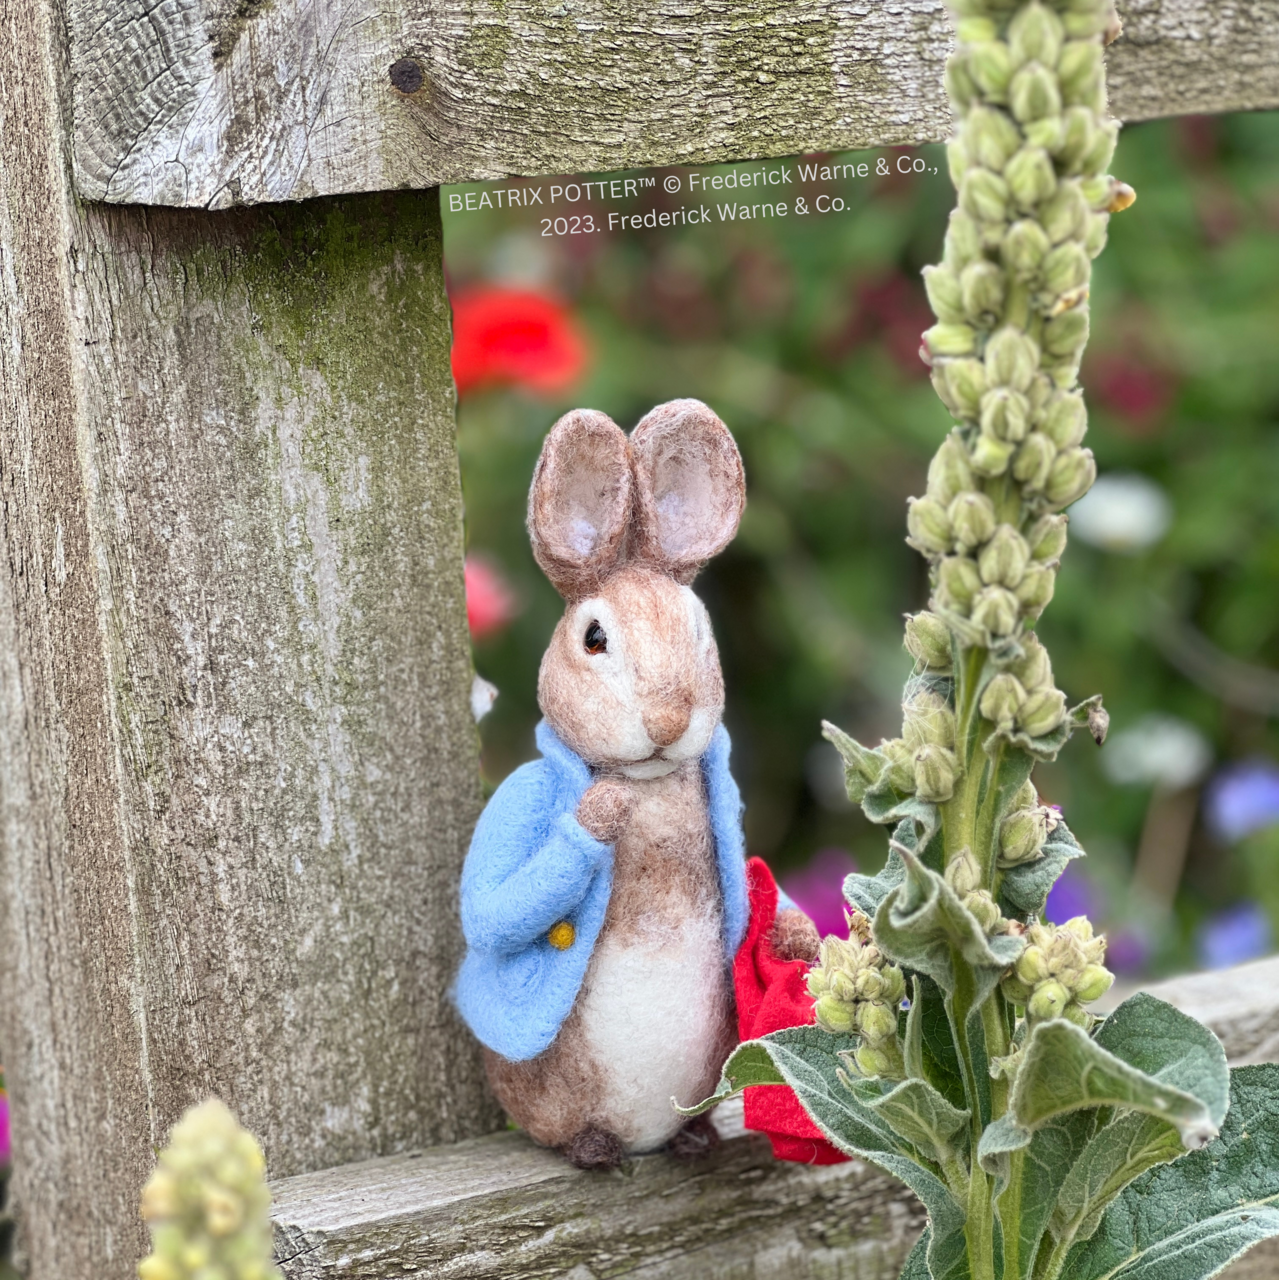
<point x="237" y="761"/>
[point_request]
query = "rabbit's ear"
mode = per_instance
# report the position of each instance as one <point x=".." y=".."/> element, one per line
<point x="580" y="504"/>
<point x="690" y="487"/>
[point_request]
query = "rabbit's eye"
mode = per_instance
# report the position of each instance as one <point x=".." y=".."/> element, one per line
<point x="595" y="640"/>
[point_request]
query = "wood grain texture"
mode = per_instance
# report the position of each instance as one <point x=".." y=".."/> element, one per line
<point x="499" y="1208"/>
<point x="237" y="760"/>
<point x="209" y="103"/>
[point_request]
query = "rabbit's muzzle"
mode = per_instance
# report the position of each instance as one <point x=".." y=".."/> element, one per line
<point x="667" y="723"/>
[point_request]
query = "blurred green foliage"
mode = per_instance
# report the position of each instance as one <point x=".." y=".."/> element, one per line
<point x="803" y="333"/>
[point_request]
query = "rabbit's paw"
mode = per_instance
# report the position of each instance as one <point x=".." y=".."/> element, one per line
<point x="795" y="936"/>
<point x="605" y="809"/>
<point x="595" y="1148"/>
<point x="696" y="1140"/>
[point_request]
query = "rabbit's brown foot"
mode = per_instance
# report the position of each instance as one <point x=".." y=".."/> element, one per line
<point x="595" y="1148"/>
<point x="698" y="1138"/>
<point x="795" y="936"/>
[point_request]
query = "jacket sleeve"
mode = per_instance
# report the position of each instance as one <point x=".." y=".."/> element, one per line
<point x="528" y="867"/>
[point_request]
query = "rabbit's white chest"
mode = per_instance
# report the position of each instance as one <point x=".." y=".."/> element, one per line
<point x="656" y="1006"/>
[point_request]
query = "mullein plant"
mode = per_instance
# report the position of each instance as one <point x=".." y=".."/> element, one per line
<point x="954" y="1045"/>
<point x="207" y="1203"/>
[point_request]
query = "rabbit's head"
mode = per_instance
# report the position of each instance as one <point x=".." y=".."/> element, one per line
<point x="631" y="680"/>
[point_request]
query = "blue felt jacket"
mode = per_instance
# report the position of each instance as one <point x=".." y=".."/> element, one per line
<point x="532" y="864"/>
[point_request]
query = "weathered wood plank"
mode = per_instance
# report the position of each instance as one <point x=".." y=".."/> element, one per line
<point x="214" y="102"/>
<point x="498" y="1208"/>
<point x="237" y="761"/>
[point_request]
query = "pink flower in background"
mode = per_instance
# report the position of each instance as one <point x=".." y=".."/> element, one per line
<point x="490" y="603"/>
<point x="818" y="889"/>
<point x="514" y="337"/>
<point x="1137" y="393"/>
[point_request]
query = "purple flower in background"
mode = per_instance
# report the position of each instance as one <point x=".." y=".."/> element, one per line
<point x="1238" y="933"/>
<point x="1127" y="951"/>
<point x="1071" y="896"/>
<point x="818" y="889"/>
<point x="4" y="1128"/>
<point x="1242" y="798"/>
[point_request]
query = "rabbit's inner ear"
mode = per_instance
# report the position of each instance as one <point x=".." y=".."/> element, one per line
<point x="580" y="502"/>
<point x="690" y="486"/>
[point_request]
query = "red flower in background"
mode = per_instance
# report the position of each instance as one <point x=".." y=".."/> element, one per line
<point x="892" y="310"/>
<point x="1138" y="393"/>
<point x="490" y="604"/>
<point x="514" y="336"/>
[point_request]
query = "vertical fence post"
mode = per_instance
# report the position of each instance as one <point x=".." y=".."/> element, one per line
<point x="237" y="761"/>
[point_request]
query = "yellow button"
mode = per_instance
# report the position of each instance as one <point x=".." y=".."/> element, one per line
<point x="561" y="935"/>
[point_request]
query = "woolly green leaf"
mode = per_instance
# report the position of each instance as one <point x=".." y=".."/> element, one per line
<point x="1024" y="889"/>
<point x="883" y="804"/>
<point x="867" y="892"/>
<point x="923" y="1117"/>
<point x="938" y="1059"/>
<point x="862" y="765"/>
<point x="1048" y="745"/>
<point x="747" y="1065"/>
<point x="811" y="1061"/>
<point x="1191" y="1219"/>
<point x="998" y="1141"/>
<point x="1117" y="1154"/>
<point x="916" y="1267"/>
<point x="923" y="925"/>
<point x="1171" y="1067"/>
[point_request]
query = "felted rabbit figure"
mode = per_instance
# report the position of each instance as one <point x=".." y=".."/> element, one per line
<point x="604" y="894"/>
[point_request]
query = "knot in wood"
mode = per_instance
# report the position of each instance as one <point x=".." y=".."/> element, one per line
<point x="407" y="75"/>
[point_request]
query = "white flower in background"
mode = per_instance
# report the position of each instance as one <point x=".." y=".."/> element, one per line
<point x="1160" y="750"/>
<point x="1122" y="512"/>
<point x="483" y="696"/>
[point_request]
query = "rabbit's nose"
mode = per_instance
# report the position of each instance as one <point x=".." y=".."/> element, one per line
<point x="667" y="722"/>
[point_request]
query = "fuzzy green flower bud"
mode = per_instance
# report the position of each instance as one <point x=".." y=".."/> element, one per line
<point x="991" y="456"/>
<point x="1003" y="559"/>
<point x="1098" y="157"/>
<point x="958" y="582"/>
<point x="991" y="137"/>
<point x="928" y="641"/>
<point x="974" y="24"/>
<point x="963" y="873"/>
<point x="984" y="195"/>
<point x="1032" y="966"/>
<point x="959" y="84"/>
<point x="1012" y="359"/>
<point x="965" y="386"/>
<point x="982" y="285"/>
<point x="1076" y="1013"/>
<point x="1005" y="414"/>
<point x="1071" y="477"/>
<point x="1066" y="269"/>
<point x="1049" y="133"/>
<point x="935" y="772"/>
<point x="899" y="765"/>
<point x="1081" y="70"/>
<point x="1048" y="1001"/>
<point x="1031" y="177"/>
<point x="869" y="984"/>
<point x="972" y="519"/>
<point x="880" y="1060"/>
<point x="1065" y="420"/>
<point x="1065" y="334"/>
<point x="950" y="472"/>
<point x="1096" y="232"/>
<point x="929" y="526"/>
<point x="990" y="64"/>
<point x="1042" y="712"/>
<point x="1094" y="982"/>
<point x="1063" y="214"/>
<point x="1024" y="248"/>
<point x="1099" y="192"/>
<point x="927" y="720"/>
<point x="995" y="609"/>
<point x="983" y="908"/>
<point x="958" y="161"/>
<point x="1002" y="699"/>
<point x="944" y="294"/>
<point x="1022" y="836"/>
<point x="834" y="1015"/>
<point x="876" y="1022"/>
<point x="1079" y="134"/>
<point x="1033" y="93"/>
<point x="1035" y="671"/>
<point x="963" y="241"/>
<point x="1034" y="461"/>
<point x="1035" y="590"/>
<point x="1035" y="35"/>
<point x="950" y="340"/>
<point x="1015" y="992"/>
